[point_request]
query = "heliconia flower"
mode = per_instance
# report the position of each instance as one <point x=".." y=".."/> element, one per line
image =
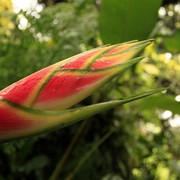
<point x="67" y="82"/>
<point x="37" y="103"/>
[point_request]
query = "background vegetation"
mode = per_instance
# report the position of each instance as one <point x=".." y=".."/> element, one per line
<point x="146" y="142"/>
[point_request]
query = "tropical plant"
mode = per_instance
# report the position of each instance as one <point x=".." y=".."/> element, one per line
<point x="138" y="140"/>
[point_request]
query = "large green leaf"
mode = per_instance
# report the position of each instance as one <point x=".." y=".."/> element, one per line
<point x="123" y="20"/>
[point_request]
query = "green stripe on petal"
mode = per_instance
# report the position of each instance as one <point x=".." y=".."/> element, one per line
<point x="78" y="85"/>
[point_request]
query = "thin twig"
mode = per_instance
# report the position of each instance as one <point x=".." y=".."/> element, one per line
<point x="89" y="153"/>
<point x="59" y="167"/>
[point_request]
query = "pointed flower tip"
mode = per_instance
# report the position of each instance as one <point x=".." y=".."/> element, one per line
<point x="158" y="90"/>
<point x="132" y="61"/>
<point x="143" y="44"/>
<point x="131" y="46"/>
<point x="148" y="40"/>
<point x="163" y="89"/>
<point x="140" y="96"/>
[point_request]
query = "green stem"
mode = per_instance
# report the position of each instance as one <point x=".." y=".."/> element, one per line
<point x="59" y="167"/>
<point x="89" y="153"/>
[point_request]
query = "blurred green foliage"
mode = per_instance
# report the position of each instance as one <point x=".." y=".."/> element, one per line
<point x="145" y="144"/>
<point x="46" y="38"/>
